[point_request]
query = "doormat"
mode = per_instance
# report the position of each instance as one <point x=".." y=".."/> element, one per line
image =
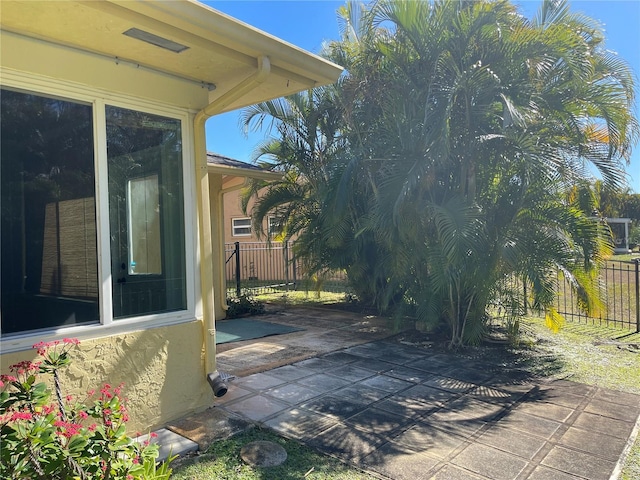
<point x="240" y="329"/>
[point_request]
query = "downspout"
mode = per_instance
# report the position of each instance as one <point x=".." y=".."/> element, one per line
<point x="204" y="216"/>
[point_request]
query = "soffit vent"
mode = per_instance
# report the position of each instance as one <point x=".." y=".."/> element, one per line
<point x="155" y="40"/>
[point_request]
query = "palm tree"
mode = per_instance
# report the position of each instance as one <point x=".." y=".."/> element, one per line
<point x="471" y="122"/>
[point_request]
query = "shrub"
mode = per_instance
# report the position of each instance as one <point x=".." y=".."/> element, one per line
<point x="53" y="436"/>
<point x="244" y="305"/>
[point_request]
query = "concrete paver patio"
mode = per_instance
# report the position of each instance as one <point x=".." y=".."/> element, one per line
<point x="406" y="412"/>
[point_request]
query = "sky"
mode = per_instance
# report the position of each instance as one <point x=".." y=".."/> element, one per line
<point x="309" y="23"/>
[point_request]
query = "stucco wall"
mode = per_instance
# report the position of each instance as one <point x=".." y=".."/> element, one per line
<point x="162" y="370"/>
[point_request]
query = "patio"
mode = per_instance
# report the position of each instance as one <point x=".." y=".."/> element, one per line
<point x="350" y="389"/>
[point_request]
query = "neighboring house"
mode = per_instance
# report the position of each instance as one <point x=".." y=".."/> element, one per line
<point x="237" y="224"/>
<point x="112" y="225"/>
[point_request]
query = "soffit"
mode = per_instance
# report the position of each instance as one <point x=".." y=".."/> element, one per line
<point x="222" y="51"/>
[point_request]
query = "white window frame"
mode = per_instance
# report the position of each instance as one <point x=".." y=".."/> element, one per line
<point x="99" y="99"/>
<point x="234" y="227"/>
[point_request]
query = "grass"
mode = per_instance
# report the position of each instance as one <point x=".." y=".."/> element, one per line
<point x="630" y="257"/>
<point x="222" y="461"/>
<point x="582" y="353"/>
<point x="298" y="298"/>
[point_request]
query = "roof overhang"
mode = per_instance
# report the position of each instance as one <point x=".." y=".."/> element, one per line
<point x="227" y="171"/>
<point x="219" y="52"/>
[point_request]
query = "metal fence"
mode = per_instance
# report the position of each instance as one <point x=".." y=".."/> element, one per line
<point x="620" y="289"/>
<point x="258" y="267"/>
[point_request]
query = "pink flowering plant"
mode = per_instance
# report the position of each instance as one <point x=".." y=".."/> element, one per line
<point x="45" y="434"/>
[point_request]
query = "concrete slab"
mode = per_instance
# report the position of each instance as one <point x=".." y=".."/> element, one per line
<point x="393" y="461"/>
<point x="490" y="462"/>
<point x="512" y="441"/>
<point x="209" y="426"/>
<point x="170" y="443"/>
<point x="594" y="443"/>
<point x="347" y="443"/>
<point x="425" y="438"/>
<point x="300" y="424"/>
<point x="581" y="464"/>
<point x="257" y="407"/>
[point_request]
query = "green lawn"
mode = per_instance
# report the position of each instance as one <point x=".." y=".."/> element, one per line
<point x="222" y="462"/>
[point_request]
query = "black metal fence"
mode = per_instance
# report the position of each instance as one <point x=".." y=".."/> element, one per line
<point x="257" y="267"/>
<point x="620" y="290"/>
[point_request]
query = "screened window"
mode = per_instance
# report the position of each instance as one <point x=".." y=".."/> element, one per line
<point x="49" y="256"/>
<point x="48" y="246"/>
<point x="241" y="227"/>
<point x="146" y="213"/>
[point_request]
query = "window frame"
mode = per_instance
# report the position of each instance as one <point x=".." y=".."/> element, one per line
<point x="98" y="99"/>
<point x="233" y="227"/>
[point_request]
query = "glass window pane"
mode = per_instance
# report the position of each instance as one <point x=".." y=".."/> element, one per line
<point x="146" y="213"/>
<point x="143" y="221"/>
<point x="48" y="246"/>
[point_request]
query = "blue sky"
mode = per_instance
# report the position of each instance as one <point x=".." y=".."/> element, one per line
<point x="308" y="23"/>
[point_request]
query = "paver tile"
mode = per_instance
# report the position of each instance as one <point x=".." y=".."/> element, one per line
<point x="378" y="421"/>
<point x="335" y="406"/>
<point x="350" y="373"/>
<point x="394" y="461"/>
<point x="317" y="364"/>
<point x="409" y="374"/>
<point x="322" y="382"/>
<point x="361" y="392"/>
<point x="625" y="413"/>
<point x="512" y="441"/>
<point x="291" y="372"/>
<point x="545" y="410"/>
<point x="582" y="464"/>
<point x="341" y="358"/>
<point x="346" y="442"/>
<point x="431" y="365"/>
<point x="408" y="406"/>
<point x="300" y="423"/>
<point x="292" y="393"/>
<point x="495" y="395"/>
<point x="388" y="384"/>
<point x="621" y="398"/>
<point x="490" y="462"/>
<point x="470" y="375"/>
<point x="606" y="425"/>
<point x="545" y="473"/>
<point x="258" y="382"/>
<point x="425" y="438"/>
<point x="257" y="407"/>
<point x="449" y="472"/>
<point x="233" y="393"/>
<point x="449" y="384"/>
<point x="557" y="396"/>
<point x="530" y="424"/>
<point x="595" y="443"/>
<point x="374" y="365"/>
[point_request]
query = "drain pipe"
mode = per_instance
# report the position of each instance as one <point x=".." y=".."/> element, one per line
<point x="207" y="257"/>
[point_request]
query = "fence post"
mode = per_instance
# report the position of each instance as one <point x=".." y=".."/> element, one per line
<point x="637" y="262"/>
<point x="294" y="270"/>
<point x="285" y="254"/>
<point x="238" y="289"/>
